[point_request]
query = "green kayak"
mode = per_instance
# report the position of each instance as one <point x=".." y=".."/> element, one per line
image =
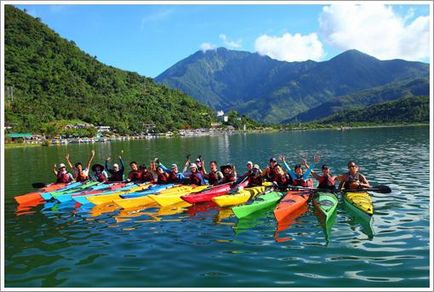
<point x="326" y="204"/>
<point x="261" y="202"/>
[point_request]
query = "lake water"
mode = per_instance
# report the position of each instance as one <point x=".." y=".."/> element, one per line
<point x="68" y="246"/>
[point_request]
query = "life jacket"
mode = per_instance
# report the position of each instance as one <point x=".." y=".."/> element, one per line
<point x="299" y="181"/>
<point x="254" y="178"/>
<point x="212" y="178"/>
<point x="229" y="178"/>
<point x="62" y="177"/>
<point x="116" y="176"/>
<point x="81" y="176"/>
<point x="326" y="182"/>
<point x="196" y="179"/>
<point x="135" y="175"/>
<point x="162" y="178"/>
<point x="350" y="179"/>
<point x="147" y="176"/>
<point x="276" y="174"/>
<point x="173" y="178"/>
<point x="100" y="177"/>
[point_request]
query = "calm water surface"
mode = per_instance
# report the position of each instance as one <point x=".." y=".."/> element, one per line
<point x="67" y="245"/>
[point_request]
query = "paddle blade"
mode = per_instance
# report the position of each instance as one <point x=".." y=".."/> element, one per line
<point x="381" y="189"/>
<point x="39" y="185"/>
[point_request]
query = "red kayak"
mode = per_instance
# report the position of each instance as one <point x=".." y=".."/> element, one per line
<point x="290" y="203"/>
<point x="209" y="194"/>
<point x="36" y="196"/>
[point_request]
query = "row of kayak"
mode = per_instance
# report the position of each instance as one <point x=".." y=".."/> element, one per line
<point x="243" y="201"/>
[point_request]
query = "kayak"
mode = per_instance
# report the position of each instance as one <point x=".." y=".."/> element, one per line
<point x="145" y="198"/>
<point x="287" y="221"/>
<point x="152" y="189"/>
<point x="360" y="202"/>
<point x="239" y="197"/>
<point x="107" y="198"/>
<point x="292" y="201"/>
<point x="81" y="186"/>
<point x="36" y="196"/>
<point x="326" y="204"/>
<point x="98" y="189"/>
<point x="261" y="202"/>
<point x="168" y="199"/>
<point x="82" y="199"/>
<point x="208" y="195"/>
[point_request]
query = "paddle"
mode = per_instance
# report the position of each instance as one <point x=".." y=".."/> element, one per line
<point x="39" y="185"/>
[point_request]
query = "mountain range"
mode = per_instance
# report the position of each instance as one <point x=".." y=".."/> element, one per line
<point x="283" y="92"/>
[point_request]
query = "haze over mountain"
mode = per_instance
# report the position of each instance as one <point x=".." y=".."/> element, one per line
<point x="274" y="91"/>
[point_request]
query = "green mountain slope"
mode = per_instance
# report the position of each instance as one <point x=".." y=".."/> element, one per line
<point x="52" y="79"/>
<point x="375" y="95"/>
<point x="404" y="110"/>
<point x="275" y="91"/>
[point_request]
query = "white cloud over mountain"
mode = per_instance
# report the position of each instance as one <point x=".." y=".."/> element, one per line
<point x="375" y="29"/>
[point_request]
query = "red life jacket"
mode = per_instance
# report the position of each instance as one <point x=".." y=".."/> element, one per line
<point x="195" y="179"/>
<point x="254" y="178"/>
<point x="212" y="178"/>
<point x="101" y="177"/>
<point x="229" y="178"/>
<point x="326" y="182"/>
<point x="277" y="175"/>
<point x="135" y="175"/>
<point x="63" y="177"/>
<point x="173" y="178"/>
<point x="116" y="176"/>
<point x="147" y="176"/>
<point x="162" y="178"/>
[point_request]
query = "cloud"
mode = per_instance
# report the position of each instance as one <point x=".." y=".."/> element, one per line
<point x="230" y="44"/>
<point x="207" y="46"/>
<point x="376" y="30"/>
<point x="155" y="17"/>
<point x="290" y="47"/>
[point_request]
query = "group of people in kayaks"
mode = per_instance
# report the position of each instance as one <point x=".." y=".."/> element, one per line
<point x="196" y="173"/>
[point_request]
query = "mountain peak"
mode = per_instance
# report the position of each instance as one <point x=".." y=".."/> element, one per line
<point x="353" y="55"/>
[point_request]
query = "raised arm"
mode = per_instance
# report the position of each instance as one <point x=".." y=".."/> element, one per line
<point x="68" y="161"/>
<point x="106" y="162"/>
<point x="121" y="162"/>
<point x="55" y="169"/>
<point x="92" y="155"/>
<point x="288" y="169"/>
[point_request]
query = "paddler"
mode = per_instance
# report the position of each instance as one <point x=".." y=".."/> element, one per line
<point x="326" y="180"/>
<point x="200" y="165"/>
<point x="214" y="176"/>
<point x="253" y="174"/>
<point x="99" y="174"/>
<point x="229" y="173"/>
<point x="146" y="175"/>
<point x="298" y="176"/>
<point x="174" y="175"/>
<point x="135" y="175"/>
<point x="79" y="173"/>
<point x="274" y="173"/>
<point x="162" y="176"/>
<point x="196" y="177"/>
<point x="116" y="173"/>
<point x="62" y="176"/>
<point x="353" y="179"/>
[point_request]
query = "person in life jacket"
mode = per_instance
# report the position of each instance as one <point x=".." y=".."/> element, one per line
<point x="352" y="179"/>
<point x="200" y="165"/>
<point x="147" y="175"/>
<point x="195" y="176"/>
<point x="135" y="175"/>
<point x="62" y="176"/>
<point x="174" y="175"/>
<point x="253" y="174"/>
<point x="162" y="177"/>
<point x="80" y="174"/>
<point x="116" y="173"/>
<point x="326" y="180"/>
<point x="99" y="174"/>
<point x="298" y="177"/>
<point x="275" y="174"/>
<point x="229" y="173"/>
<point x="214" y="176"/>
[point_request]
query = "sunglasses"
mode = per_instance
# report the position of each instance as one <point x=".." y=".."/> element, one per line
<point x="351" y="166"/>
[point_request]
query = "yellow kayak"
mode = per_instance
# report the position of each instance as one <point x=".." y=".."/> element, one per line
<point x="148" y="201"/>
<point x="103" y="199"/>
<point x="167" y="199"/>
<point x="239" y="197"/>
<point x="361" y="201"/>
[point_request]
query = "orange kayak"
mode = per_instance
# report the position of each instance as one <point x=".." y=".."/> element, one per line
<point x="290" y="203"/>
<point x="36" y="196"/>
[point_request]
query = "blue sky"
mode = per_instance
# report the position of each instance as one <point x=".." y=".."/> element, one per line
<point x="148" y="39"/>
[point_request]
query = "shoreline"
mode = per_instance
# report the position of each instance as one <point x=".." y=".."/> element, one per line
<point x="219" y="133"/>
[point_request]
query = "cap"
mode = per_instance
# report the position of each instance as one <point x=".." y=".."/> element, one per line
<point x="273" y="159"/>
<point x="198" y="160"/>
<point x="174" y="165"/>
<point x="249" y="162"/>
<point x="256" y="166"/>
<point x="193" y="165"/>
<point x="324" y="166"/>
<point x="115" y="165"/>
<point x="297" y="166"/>
<point x="61" y="165"/>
